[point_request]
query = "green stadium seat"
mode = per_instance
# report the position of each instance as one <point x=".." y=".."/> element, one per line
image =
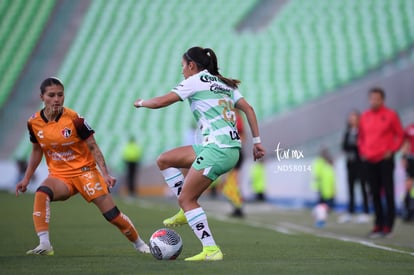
<point x="21" y="25"/>
<point x="129" y="49"/>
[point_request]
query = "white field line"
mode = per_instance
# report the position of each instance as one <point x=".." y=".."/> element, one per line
<point x="287" y="228"/>
<point x="308" y="230"/>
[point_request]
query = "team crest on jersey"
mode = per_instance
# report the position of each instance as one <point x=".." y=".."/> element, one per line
<point x="66" y="132"/>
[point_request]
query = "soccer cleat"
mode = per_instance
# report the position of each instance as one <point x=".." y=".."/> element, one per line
<point x="143" y="248"/>
<point x="376" y="233"/>
<point x="237" y="213"/>
<point x="41" y="249"/>
<point x="387" y="232"/>
<point x="176" y="220"/>
<point x="209" y="253"/>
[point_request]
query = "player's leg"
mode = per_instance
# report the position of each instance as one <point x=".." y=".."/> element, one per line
<point x="364" y="217"/>
<point x="231" y="189"/>
<point x="113" y="215"/>
<point x="387" y="180"/>
<point x="352" y="176"/>
<point x="52" y="189"/>
<point x="131" y="178"/>
<point x="93" y="188"/>
<point x="195" y="184"/>
<point x="208" y="166"/>
<point x="374" y="180"/>
<point x="232" y="192"/>
<point x="169" y="164"/>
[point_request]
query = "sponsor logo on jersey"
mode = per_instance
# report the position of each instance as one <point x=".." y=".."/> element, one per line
<point x="220" y="89"/>
<point x="63" y="155"/>
<point x="208" y="78"/>
<point x="40" y="134"/>
<point x="66" y="132"/>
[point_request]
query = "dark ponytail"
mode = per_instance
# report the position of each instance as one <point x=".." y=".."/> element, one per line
<point x="50" y="82"/>
<point x="207" y="59"/>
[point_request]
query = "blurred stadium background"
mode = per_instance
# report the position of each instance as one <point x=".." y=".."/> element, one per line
<point x="304" y="64"/>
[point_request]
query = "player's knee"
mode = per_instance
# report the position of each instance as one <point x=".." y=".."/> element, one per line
<point x="46" y="190"/>
<point x="162" y="162"/>
<point x="112" y="214"/>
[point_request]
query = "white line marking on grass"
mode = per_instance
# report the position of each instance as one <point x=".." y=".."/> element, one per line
<point x="286" y="228"/>
<point x="343" y="238"/>
<point x="277" y="228"/>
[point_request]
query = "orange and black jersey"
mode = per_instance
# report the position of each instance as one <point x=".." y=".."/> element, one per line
<point x="63" y="142"/>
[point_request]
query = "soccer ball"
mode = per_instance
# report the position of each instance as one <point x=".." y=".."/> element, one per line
<point x="165" y="244"/>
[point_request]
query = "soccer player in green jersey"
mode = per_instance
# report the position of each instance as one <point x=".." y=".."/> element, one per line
<point x="212" y="100"/>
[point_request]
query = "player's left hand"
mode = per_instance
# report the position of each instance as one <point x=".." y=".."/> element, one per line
<point x="258" y="151"/>
<point x="110" y="181"/>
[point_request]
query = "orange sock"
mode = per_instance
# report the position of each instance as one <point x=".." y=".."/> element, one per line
<point x="41" y="212"/>
<point x="125" y="225"/>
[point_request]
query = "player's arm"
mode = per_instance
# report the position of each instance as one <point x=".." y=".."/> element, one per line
<point x="34" y="161"/>
<point x="100" y="160"/>
<point x="247" y="109"/>
<point x="157" y="102"/>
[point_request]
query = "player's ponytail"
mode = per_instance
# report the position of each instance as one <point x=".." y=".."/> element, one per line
<point x="212" y="66"/>
<point x="207" y="59"/>
<point x="50" y="82"/>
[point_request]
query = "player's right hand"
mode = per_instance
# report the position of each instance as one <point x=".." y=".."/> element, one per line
<point x="110" y="180"/>
<point x="138" y="103"/>
<point x="21" y="187"/>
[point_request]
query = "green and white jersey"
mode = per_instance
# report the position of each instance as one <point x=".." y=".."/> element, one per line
<point x="212" y="103"/>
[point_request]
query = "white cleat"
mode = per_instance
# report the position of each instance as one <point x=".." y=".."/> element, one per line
<point x="41" y="249"/>
<point x="143" y="248"/>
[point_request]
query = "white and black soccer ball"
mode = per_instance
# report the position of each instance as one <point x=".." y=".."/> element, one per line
<point x="165" y="244"/>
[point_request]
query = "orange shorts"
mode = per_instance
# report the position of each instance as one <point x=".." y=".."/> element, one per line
<point x="90" y="184"/>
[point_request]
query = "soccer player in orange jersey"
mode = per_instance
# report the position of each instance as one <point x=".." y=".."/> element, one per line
<point x="71" y="153"/>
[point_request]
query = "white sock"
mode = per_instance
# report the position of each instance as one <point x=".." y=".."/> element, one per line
<point x="197" y="220"/>
<point x="174" y="178"/>
<point x="44" y="238"/>
<point x="138" y="243"/>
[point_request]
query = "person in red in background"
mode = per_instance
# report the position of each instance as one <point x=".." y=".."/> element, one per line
<point x="380" y="136"/>
<point x="408" y="161"/>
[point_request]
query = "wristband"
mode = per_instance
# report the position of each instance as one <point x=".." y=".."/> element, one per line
<point x="140" y="102"/>
<point x="256" y="140"/>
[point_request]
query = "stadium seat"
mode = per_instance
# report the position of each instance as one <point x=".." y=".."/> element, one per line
<point x="21" y="25"/>
<point x="132" y="49"/>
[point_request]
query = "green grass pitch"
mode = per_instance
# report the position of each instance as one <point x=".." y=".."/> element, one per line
<point x="85" y="243"/>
